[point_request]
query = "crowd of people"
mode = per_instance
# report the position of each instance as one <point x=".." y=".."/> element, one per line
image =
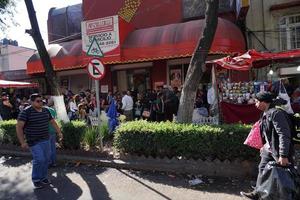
<point x="160" y="105"/>
<point x="153" y="105"/>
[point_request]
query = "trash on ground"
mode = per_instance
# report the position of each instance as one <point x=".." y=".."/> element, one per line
<point x="195" y="181"/>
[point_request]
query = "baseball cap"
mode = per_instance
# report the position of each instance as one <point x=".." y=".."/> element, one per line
<point x="264" y="97"/>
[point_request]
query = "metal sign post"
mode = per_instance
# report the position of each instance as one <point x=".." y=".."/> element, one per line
<point x="96" y="71"/>
<point x="97" y="85"/>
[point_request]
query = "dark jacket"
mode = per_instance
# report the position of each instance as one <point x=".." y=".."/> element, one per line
<point x="5" y="111"/>
<point x="275" y="123"/>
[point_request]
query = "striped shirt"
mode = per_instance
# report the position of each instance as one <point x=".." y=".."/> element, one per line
<point x="36" y="128"/>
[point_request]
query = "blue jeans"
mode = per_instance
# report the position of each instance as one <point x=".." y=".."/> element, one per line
<point x="40" y="160"/>
<point x="52" y="159"/>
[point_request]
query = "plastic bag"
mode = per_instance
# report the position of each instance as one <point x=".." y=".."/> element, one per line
<point x="254" y="138"/>
<point x="283" y="95"/>
<point x="279" y="183"/>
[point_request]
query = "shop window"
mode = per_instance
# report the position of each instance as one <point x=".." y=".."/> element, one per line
<point x="175" y="76"/>
<point x="289" y="32"/>
<point x="137" y="80"/>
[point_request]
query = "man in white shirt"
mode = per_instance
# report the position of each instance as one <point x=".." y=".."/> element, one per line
<point x="127" y="106"/>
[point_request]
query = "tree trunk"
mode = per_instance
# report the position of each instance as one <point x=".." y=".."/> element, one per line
<point x="197" y="64"/>
<point x="45" y="58"/>
<point x="51" y="80"/>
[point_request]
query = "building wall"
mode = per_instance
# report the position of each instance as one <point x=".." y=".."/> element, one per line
<point x="159" y="73"/>
<point x="14" y="57"/>
<point x="4" y="60"/>
<point x="149" y="13"/>
<point x="265" y="23"/>
<point x="18" y="57"/>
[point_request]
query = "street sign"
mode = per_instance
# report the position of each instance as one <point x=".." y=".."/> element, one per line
<point x="96" y="69"/>
<point x="94" y="49"/>
<point x="106" y="32"/>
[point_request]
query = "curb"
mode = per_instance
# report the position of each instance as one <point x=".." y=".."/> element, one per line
<point x="207" y="168"/>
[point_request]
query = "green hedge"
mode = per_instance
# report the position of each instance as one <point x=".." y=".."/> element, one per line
<point x="73" y="134"/>
<point x="189" y="141"/>
<point x="8" y="134"/>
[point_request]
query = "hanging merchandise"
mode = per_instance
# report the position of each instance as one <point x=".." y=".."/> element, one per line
<point x="241" y="92"/>
<point x="283" y="95"/>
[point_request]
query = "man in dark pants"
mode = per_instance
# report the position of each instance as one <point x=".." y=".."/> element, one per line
<point x="34" y="123"/>
<point x="276" y="134"/>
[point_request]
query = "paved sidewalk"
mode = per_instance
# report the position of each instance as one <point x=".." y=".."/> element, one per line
<point x="70" y="181"/>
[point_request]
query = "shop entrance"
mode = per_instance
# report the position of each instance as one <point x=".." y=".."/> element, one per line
<point x="137" y="80"/>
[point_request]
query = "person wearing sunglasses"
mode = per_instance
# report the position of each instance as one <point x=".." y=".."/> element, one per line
<point x="33" y="123"/>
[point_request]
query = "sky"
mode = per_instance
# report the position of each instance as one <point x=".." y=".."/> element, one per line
<point x="21" y="17"/>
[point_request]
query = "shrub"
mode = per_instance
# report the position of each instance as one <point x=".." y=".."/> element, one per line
<point x="104" y="130"/>
<point x="73" y="133"/>
<point x="186" y="140"/>
<point x="8" y="133"/>
<point x="91" y="137"/>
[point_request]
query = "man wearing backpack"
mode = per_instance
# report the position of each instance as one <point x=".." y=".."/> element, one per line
<point x="276" y="134"/>
<point x="33" y="122"/>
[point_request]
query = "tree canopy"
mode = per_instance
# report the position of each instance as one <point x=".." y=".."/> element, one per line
<point x="7" y="10"/>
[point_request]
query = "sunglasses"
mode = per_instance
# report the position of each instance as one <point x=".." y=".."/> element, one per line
<point x="38" y="101"/>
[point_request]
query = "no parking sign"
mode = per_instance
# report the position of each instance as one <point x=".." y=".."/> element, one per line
<point x="96" y="69"/>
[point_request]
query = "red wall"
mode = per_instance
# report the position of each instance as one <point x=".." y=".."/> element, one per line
<point x="150" y="13"/>
<point x="107" y="80"/>
<point x="159" y="72"/>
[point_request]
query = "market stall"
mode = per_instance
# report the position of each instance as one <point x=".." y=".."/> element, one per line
<point x="17" y="84"/>
<point x="237" y="84"/>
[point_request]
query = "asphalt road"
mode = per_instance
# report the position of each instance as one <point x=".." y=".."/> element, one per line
<point x="71" y="181"/>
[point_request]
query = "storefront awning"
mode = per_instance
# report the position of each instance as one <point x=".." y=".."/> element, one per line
<point x="180" y="40"/>
<point x="254" y="59"/>
<point x="64" y="56"/>
<point x="155" y="43"/>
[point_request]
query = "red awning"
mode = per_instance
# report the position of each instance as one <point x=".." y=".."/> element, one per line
<point x="180" y="40"/>
<point x="155" y="43"/>
<point x="255" y="59"/>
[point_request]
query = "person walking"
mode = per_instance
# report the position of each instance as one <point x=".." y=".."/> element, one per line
<point x="52" y="132"/>
<point x="127" y="106"/>
<point x="276" y="134"/>
<point x="33" y="123"/>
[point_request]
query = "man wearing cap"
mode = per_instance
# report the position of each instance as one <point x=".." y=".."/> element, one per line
<point x="276" y="135"/>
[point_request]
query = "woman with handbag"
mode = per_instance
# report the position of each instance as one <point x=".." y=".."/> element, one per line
<point x="276" y="136"/>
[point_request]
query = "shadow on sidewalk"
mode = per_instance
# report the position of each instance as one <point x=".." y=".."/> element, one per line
<point x="16" y="184"/>
<point x="10" y="161"/>
<point x="231" y="186"/>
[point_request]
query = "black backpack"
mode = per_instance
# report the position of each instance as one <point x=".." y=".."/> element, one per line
<point x="295" y="122"/>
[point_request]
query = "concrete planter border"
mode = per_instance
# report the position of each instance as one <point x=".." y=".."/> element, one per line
<point x="215" y="167"/>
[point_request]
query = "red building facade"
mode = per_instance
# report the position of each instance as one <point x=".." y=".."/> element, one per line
<point x="157" y="40"/>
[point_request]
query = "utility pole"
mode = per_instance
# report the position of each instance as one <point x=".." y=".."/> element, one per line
<point x="52" y="83"/>
<point x="39" y="42"/>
